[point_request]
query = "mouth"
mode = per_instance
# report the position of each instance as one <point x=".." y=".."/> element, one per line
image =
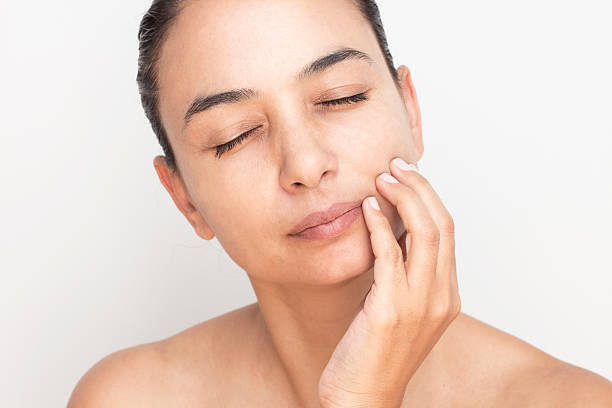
<point x="329" y="223"/>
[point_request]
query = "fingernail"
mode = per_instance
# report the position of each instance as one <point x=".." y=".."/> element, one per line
<point x="373" y="203"/>
<point x="388" y="178"/>
<point x="399" y="162"/>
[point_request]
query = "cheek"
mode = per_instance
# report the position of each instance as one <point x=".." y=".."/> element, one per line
<point x="377" y="140"/>
<point x="243" y="203"/>
<point x="242" y="223"/>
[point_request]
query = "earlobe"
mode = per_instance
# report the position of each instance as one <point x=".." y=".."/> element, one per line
<point x="174" y="185"/>
<point x="204" y="231"/>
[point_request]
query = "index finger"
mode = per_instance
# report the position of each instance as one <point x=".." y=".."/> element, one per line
<point x="439" y="213"/>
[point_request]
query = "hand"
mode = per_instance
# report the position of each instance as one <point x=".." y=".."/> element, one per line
<point x="410" y="303"/>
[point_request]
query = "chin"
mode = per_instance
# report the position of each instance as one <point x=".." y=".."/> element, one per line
<point x="339" y="261"/>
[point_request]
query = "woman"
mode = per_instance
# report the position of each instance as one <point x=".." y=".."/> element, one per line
<point x="277" y="119"/>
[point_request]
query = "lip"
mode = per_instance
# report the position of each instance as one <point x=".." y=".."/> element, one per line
<point x="321" y="218"/>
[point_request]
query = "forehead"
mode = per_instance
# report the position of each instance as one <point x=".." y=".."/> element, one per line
<point x="260" y="44"/>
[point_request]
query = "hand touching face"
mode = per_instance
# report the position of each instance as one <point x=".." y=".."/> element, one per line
<point x="411" y="303"/>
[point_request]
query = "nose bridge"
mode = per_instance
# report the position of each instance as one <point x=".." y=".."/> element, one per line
<point x="304" y="155"/>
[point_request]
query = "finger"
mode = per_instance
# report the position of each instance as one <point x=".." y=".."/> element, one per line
<point x="422" y="257"/>
<point x="388" y="263"/>
<point x="415" y="180"/>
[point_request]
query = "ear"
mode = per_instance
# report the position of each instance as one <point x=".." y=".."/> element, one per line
<point x="176" y="188"/>
<point x="412" y="106"/>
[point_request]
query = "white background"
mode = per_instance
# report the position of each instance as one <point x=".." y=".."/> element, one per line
<point x="516" y="107"/>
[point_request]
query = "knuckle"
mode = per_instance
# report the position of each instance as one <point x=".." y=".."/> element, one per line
<point x="389" y="319"/>
<point x="380" y="222"/>
<point x="440" y="310"/>
<point x="416" y="177"/>
<point x="398" y="276"/>
<point x="404" y="199"/>
<point x="430" y="236"/>
<point x="394" y="255"/>
<point x="445" y="309"/>
<point x="447" y="225"/>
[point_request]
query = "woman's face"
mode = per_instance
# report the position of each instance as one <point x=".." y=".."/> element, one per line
<point x="301" y="156"/>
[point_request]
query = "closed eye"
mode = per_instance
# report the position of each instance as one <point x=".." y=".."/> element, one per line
<point x="348" y="100"/>
<point x="334" y="102"/>
<point x="230" y="145"/>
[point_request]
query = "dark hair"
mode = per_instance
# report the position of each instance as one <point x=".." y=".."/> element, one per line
<point x="151" y="34"/>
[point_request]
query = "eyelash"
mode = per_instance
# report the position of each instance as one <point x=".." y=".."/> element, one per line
<point x="341" y="101"/>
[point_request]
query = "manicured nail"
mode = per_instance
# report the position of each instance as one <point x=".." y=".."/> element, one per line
<point x="373" y="203"/>
<point x="388" y="178"/>
<point x="403" y="165"/>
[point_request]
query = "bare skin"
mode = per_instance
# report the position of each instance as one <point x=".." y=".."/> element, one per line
<point x="272" y="353"/>
<point x="228" y="362"/>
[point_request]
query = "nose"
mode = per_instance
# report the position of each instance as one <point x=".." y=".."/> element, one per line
<point x="305" y="156"/>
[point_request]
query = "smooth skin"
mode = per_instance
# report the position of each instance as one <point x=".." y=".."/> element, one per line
<point x="412" y="301"/>
<point x="273" y="353"/>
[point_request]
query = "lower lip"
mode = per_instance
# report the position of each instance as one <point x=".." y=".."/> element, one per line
<point x="332" y="228"/>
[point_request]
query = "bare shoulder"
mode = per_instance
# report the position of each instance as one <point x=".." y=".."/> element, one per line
<point x="176" y="371"/>
<point x="509" y="372"/>
<point x="557" y="383"/>
<point x="121" y="379"/>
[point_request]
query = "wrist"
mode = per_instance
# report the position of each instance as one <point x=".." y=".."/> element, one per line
<point x="354" y="402"/>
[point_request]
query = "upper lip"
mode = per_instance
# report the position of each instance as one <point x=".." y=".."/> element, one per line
<point x="322" y="217"/>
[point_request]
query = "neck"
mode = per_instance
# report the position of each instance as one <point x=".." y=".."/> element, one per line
<point x="304" y="325"/>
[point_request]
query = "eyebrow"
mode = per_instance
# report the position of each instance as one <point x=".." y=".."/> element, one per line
<point x="202" y="103"/>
